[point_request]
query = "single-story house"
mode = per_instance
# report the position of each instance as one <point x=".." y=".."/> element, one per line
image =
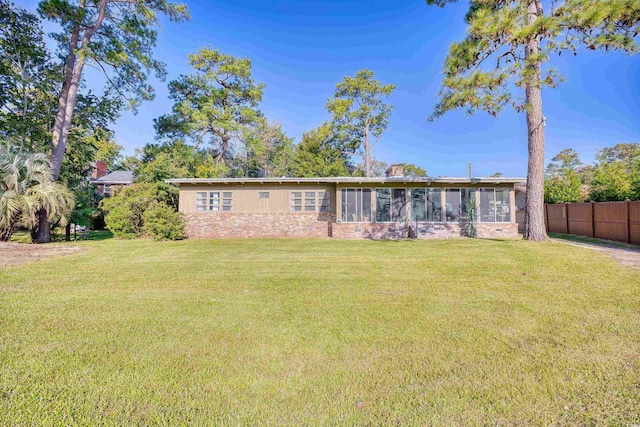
<point x="394" y="206"/>
<point x="107" y="183"/>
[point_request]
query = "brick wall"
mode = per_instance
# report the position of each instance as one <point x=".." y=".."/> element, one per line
<point x="498" y="231"/>
<point x="352" y="230"/>
<point x="365" y="230"/>
<point x="221" y="225"/>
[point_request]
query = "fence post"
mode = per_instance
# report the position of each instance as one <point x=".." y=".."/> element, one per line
<point x="566" y="214"/>
<point x="627" y="222"/>
<point x="546" y="216"/>
<point x="593" y="219"/>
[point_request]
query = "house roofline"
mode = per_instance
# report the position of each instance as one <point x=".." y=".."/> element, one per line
<point x="349" y="180"/>
<point x="98" y="181"/>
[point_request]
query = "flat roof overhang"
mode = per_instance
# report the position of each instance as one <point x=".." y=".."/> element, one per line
<point x="350" y="180"/>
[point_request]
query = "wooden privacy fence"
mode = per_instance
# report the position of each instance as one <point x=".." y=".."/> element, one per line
<point x="618" y="221"/>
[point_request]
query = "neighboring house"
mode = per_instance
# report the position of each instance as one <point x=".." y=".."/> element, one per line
<point x="107" y="183"/>
<point x="346" y="207"/>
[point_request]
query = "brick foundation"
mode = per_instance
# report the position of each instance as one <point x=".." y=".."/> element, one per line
<point x="365" y="230"/>
<point x="498" y="231"/>
<point x="351" y="230"/>
<point x="220" y="225"/>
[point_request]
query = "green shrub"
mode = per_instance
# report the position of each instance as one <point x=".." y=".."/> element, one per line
<point x="121" y="221"/>
<point x="162" y="222"/>
<point x="124" y="212"/>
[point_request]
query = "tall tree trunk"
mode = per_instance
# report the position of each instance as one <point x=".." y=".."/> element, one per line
<point x="64" y="127"/>
<point x="61" y="128"/>
<point x="44" y="229"/>
<point x="66" y="83"/>
<point x="74" y="66"/>
<point x="534" y="226"/>
<point x="367" y="154"/>
<point x="224" y="148"/>
<point x="67" y="233"/>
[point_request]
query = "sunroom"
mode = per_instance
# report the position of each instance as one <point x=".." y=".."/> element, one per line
<point x="415" y="205"/>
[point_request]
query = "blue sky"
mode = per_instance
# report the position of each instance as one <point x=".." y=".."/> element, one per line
<point x="301" y="49"/>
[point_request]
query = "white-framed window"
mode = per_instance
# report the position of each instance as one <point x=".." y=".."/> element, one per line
<point x="296" y="201"/>
<point x="106" y="189"/>
<point x="426" y="205"/>
<point x="212" y="201"/>
<point x="356" y="204"/>
<point x="263" y="194"/>
<point x="495" y="205"/>
<point x="310" y="201"/>
<point x="227" y="201"/>
<point x="457" y="203"/>
<point x="201" y="201"/>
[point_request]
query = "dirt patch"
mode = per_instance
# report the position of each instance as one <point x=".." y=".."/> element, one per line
<point x="626" y="255"/>
<point x="20" y="253"/>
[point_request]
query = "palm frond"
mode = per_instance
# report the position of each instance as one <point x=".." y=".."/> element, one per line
<point x="26" y="188"/>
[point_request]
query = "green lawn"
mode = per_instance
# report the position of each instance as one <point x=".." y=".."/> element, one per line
<point x="320" y="332"/>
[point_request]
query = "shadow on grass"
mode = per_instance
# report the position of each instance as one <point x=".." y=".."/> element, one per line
<point x="57" y="236"/>
<point x="593" y="241"/>
<point x="100" y="235"/>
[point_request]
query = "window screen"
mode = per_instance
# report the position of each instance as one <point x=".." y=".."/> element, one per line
<point x="503" y="205"/>
<point x="399" y="205"/>
<point x="495" y="205"/>
<point x="356" y="205"/>
<point x="383" y="205"/>
<point x="487" y="205"/>
<point x="426" y="205"/>
<point x="457" y="203"/>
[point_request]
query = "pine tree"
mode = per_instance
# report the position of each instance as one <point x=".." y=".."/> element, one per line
<point x="213" y="104"/>
<point x="508" y="46"/>
<point x="360" y="114"/>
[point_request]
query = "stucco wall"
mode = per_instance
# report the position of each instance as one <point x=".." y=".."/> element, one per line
<point x="246" y="198"/>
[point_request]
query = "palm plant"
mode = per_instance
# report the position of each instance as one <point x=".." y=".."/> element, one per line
<point x="471" y="219"/>
<point x="27" y="190"/>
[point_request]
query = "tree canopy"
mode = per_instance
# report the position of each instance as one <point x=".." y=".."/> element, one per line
<point x="27" y="80"/>
<point x="503" y="60"/>
<point x="213" y="104"/>
<point x="360" y="114"/>
<point x="615" y="176"/>
<point x="320" y="154"/>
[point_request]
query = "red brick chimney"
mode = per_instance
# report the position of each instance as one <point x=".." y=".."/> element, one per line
<point x="99" y="169"/>
<point x="395" y="171"/>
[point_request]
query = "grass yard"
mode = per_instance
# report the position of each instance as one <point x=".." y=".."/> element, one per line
<point x="320" y="332"/>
